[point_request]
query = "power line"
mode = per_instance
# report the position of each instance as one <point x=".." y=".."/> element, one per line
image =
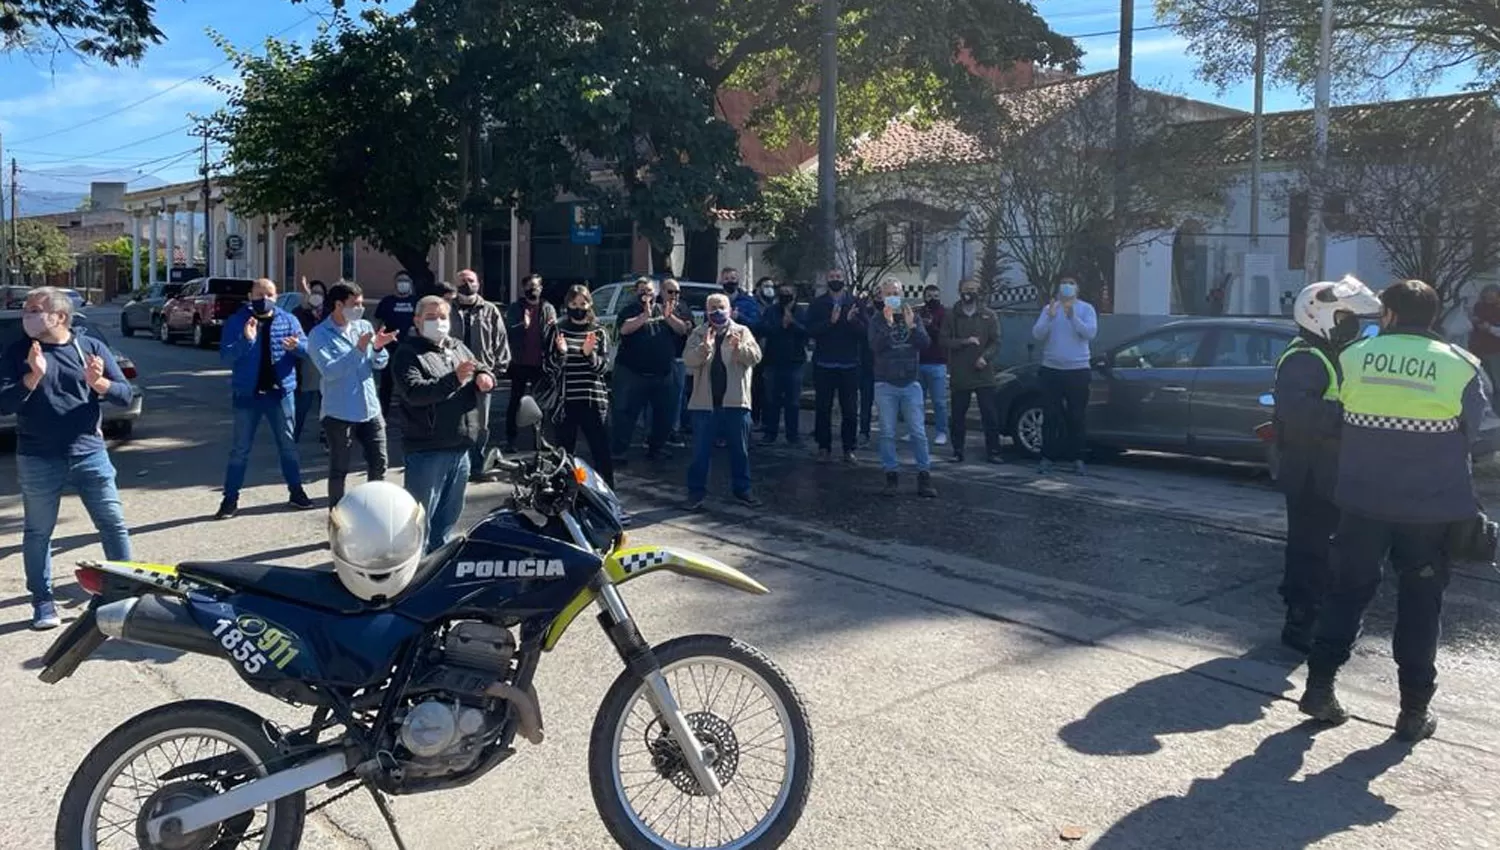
<point x="148" y="98"/>
<point x="162" y="135"/>
<point x="134" y="166"/>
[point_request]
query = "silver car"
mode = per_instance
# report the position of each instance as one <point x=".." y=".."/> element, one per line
<point x="119" y="422"/>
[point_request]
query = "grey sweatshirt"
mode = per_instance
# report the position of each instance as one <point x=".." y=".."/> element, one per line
<point x="1065" y="341"/>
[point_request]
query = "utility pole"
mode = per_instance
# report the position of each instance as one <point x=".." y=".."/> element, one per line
<point x="828" y="99"/>
<point x="1124" y="116"/>
<point x="4" y="231"/>
<point x="208" y="210"/>
<point x="1258" y="125"/>
<point x="15" y="212"/>
<point x="1315" y="194"/>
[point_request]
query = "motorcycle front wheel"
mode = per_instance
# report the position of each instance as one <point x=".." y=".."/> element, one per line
<point x="165" y="759"/>
<point x="753" y="726"/>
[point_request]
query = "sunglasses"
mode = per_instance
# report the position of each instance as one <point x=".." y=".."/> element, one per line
<point x="671" y="291"/>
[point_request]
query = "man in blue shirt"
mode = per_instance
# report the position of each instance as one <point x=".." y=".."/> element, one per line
<point x="261" y="345"/>
<point x="53" y="382"/>
<point x="347" y="352"/>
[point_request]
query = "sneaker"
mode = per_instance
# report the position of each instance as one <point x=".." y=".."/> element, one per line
<point x="1079" y="468"/>
<point x="825" y="456"/>
<point x="941" y="439"/>
<point x="864" y="441"/>
<point x="1319" y="702"/>
<point x="675" y="441"/>
<point x="958" y="457"/>
<point x="850" y="459"/>
<point x="1415" y="725"/>
<point x="693" y="504"/>
<point x="924" y="486"/>
<point x="995" y="458"/>
<point x="299" y="499"/>
<point x="748" y="500"/>
<point x="891" y="483"/>
<point x="44" y="615"/>
<point x="1044" y="468"/>
<point x="227" y="508"/>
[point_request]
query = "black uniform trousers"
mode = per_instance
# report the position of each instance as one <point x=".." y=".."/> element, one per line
<point x="1422" y="570"/>
<point x="1311" y="521"/>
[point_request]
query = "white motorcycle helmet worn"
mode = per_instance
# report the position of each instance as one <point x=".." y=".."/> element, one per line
<point x="1331" y="311"/>
<point x="377" y="533"/>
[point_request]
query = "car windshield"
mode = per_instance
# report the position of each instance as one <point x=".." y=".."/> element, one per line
<point x="228" y="286"/>
<point x="171" y="290"/>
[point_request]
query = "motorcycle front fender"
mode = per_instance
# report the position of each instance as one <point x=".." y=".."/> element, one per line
<point x="628" y="564"/>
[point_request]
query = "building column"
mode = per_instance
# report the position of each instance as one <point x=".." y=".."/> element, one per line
<point x="151" y="257"/>
<point x="190" y="253"/>
<point x="135" y="251"/>
<point x="171" y="238"/>
<point x="515" y="257"/>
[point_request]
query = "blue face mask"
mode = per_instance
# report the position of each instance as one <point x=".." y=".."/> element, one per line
<point x="1068" y="290"/>
<point x="718" y="317"/>
<point x="893" y="302"/>
<point x="260" y="306"/>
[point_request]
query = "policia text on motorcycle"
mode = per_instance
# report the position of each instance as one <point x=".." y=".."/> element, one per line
<point x="1412" y="406"/>
<point x="1309" y="420"/>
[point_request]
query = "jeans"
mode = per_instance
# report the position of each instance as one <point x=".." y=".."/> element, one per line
<point x="866" y="393"/>
<point x="278" y="412"/>
<point x="935" y="386"/>
<point x="633" y="393"/>
<point x="522" y="378"/>
<point x="1422" y="571"/>
<point x="732" y="425"/>
<point x="989" y="415"/>
<point x="586" y="417"/>
<point x="341" y="436"/>
<point x="1311" y="520"/>
<point x="844" y="383"/>
<point x="783" y="401"/>
<point x="677" y="414"/>
<point x="1065" y="422"/>
<point x="907" y="401"/>
<point x="307" y="401"/>
<point x="42" y="481"/>
<point x="438" y="481"/>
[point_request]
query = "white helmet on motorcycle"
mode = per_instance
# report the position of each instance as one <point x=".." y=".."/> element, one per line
<point x="378" y="534"/>
<point x="1331" y="311"/>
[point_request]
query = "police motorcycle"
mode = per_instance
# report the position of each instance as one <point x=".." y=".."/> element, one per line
<point x="419" y="670"/>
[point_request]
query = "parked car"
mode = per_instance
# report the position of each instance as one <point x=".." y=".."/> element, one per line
<point x="1189" y="387"/>
<point x="611" y="298"/>
<point x="143" y="311"/>
<point x="200" y="309"/>
<point x="14" y="297"/>
<point x="118" y="421"/>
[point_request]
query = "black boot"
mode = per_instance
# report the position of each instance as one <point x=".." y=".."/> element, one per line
<point x="1297" y="633"/>
<point x="890" y="484"/>
<point x="924" y="486"/>
<point x="1415" y="725"/>
<point x="1319" y="702"/>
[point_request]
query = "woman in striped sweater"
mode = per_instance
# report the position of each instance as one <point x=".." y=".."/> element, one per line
<point x="577" y="357"/>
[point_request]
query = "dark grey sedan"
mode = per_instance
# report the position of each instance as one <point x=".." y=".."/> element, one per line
<point x="143" y="311"/>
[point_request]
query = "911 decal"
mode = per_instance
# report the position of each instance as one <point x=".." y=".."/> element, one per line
<point x="254" y="643"/>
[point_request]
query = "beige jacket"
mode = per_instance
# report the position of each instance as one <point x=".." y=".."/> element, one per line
<point x="738" y="363"/>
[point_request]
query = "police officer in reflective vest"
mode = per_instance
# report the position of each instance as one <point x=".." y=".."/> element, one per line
<point x="1309" y="420"/>
<point x="1412" y="409"/>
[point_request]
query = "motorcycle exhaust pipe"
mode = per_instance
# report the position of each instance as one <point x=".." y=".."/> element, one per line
<point x="156" y="621"/>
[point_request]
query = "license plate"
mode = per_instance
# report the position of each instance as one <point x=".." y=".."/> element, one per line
<point x="71" y="648"/>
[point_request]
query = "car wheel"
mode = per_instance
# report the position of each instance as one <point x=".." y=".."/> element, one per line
<point x="1026" y="425"/>
<point x="200" y="338"/>
<point x="125" y="328"/>
<point x="1273" y="461"/>
<point x="163" y="333"/>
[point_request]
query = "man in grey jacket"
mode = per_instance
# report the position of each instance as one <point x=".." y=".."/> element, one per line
<point x="896" y="343"/>
<point x="480" y="326"/>
<point x="1065" y="328"/>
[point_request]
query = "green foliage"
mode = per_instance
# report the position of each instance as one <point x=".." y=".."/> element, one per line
<point x="112" y="31"/>
<point x="119" y="247"/>
<point x="786" y="214"/>
<point x="41" y="249"/>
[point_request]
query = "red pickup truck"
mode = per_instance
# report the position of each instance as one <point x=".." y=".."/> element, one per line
<point x="199" y="310"/>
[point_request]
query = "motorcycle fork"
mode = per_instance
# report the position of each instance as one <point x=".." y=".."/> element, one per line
<point x="641" y="661"/>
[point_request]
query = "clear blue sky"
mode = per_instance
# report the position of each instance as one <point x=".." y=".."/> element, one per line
<point x="60" y="113"/>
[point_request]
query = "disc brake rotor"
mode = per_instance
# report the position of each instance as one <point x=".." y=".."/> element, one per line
<point x="169" y="798"/>
<point x="721" y="749"/>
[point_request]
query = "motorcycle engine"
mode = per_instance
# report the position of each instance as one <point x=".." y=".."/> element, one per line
<point x="446" y="730"/>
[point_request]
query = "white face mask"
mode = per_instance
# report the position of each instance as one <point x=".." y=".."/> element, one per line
<point x="354" y="314"/>
<point x="403" y="287"/>
<point x="435" y="329"/>
<point x="315" y="300"/>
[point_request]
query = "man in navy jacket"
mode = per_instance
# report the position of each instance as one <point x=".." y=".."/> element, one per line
<point x="53" y="383"/>
<point x="837" y="327"/>
<point x="261" y="344"/>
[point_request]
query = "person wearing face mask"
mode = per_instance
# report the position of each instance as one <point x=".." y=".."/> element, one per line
<point x="897" y="338"/>
<point x="1412" y="405"/>
<point x="348" y="351"/>
<point x="309" y="313"/>
<point x="526" y="324"/>
<point x="54" y="382"/>
<point x="783" y="345"/>
<point x="934" y="361"/>
<point x="440" y="385"/>
<point x="743" y="307"/>
<point x="643" y="373"/>
<point x="971" y="334"/>
<point x="480" y="325"/>
<point x="1065" y="328"/>
<point x="765" y="300"/>
<point x="577" y="357"/>
<point x="679" y="318"/>
<point x="395" y="313"/>
<point x="721" y="355"/>
<point x="262" y="344"/>
<point x="837" y="328"/>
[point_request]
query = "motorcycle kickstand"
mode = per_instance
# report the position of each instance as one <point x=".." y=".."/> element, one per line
<point x="385" y="812"/>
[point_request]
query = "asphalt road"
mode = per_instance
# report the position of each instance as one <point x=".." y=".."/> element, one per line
<point x="1012" y="661"/>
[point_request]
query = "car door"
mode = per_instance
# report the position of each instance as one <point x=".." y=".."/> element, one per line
<point x="1239" y="368"/>
<point x="1142" y="392"/>
<point x="178" y="313"/>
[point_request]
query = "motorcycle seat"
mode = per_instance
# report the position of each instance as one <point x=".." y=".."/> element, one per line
<point x="314" y="587"/>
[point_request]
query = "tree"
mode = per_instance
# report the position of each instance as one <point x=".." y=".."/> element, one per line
<point x="41" y="250"/>
<point x="1426" y="198"/>
<point x="119" y="247"/>
<point x="785" y="214"/>
<point x="1376" y="43"/>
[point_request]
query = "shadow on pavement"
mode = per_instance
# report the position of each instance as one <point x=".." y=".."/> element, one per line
<point x="1134" y="721"/>
<point x="61" y="545"/>
<point x="1230" y="811"/>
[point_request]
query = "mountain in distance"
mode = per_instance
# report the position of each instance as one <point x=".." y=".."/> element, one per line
<point x="56" y="190"/>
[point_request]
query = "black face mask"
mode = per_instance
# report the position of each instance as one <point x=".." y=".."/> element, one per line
<point x="468" y="289"/>
<point x="785" y="297"/>
<point x="578" y="314"/>
<point x="646" y="297"/>
<point x="934" y="301"/>
<point x="835" y="285"/>
<point x="968" y="297"/>
<point x="533" y="294"/>
<point x="731" y="287"/>
<point x="1346" y="329"/>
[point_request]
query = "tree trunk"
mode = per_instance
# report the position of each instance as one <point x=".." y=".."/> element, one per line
<point x="661" y="261"/>
<point x="701" y="255"/>
<point x="414" y="261"/>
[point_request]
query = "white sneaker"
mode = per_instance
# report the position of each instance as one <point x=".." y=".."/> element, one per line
<point x="942" y="439"/>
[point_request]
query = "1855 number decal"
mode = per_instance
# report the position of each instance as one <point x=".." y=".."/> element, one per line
<point x="254" y="643"/>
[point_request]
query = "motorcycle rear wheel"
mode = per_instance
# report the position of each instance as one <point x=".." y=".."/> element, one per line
<point x="719" y="704"/>
<point x="240" y="730"/>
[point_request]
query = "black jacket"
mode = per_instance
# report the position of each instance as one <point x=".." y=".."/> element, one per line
<point x="1307" y="425"/>
<point x="783" y="345"/>
<point x="840" y="342"/>
<point x="439" y="413"/>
